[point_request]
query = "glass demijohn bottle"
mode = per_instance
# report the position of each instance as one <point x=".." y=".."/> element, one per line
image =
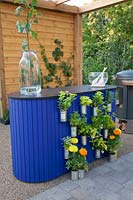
<point x="29" y="74"/>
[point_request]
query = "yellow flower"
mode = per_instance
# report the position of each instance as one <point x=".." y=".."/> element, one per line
<point x="117" y="131"/>
<point x="73" y="148"/>
<point x="74" y="140"/>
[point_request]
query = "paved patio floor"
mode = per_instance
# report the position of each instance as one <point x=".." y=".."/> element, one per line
<point x="110" y="181"/>
<point x="105" y="182"/>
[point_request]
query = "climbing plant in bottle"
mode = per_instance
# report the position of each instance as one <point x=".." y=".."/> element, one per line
<point x="29" y="68"/>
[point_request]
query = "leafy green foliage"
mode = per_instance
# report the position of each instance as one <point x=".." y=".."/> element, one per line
<point x="97" y="99"/>
<point x="108" y="40"/>
<point x="99" y="143"/>
<point x="64" y="68"/>
<point x="76" y="162"/>
<point x="84" y="100"/>
<point x="65" y="100"/>
<point x="27" y="10"/>
<point x="74" y="119"/>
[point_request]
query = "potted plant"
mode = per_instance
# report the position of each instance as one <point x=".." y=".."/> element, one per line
<point x="93" y="131"/>
<point x="67" y="142"/>
<point x="6" y="117"/>
<point x="83" y="164"/>
<point x="29" y="68"/>
<point x="83" y="130"/>
<point x="72" y="162"/>
<point x="107" y="123"/>
<point x="114" y="143"/>
<point x="64" y="102"/>
<point x="109" y="98"/>
<point x="100" y="145"/>
<point x="74" y="122"/>
<point x="97" y="100"/>
<point x="84" y="102"/>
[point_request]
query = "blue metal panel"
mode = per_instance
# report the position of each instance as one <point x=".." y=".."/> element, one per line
<point x="36" y="133"/>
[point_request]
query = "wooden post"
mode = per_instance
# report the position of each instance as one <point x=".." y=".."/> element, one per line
<point x="2" y="73"/>
<point x="78" y="49"/>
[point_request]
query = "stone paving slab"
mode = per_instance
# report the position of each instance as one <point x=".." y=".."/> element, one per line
<point x="111" y="181"/>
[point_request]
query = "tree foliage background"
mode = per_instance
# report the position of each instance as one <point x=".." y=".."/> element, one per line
<point x="108" y="40"/>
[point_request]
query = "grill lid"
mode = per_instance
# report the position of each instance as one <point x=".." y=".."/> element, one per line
<point x="126" y="75"/>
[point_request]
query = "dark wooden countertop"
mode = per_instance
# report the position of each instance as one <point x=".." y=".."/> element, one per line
<point x="54" y="92"/>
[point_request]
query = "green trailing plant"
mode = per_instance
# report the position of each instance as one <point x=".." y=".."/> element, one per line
<point x="74" y="119"/>
<point x="97" y="99"/>
<point x="65" y="100"/>
<point x="27" y="10"/>
<point x="100" y="144"/>
<point x="64" y="68"/>
<point x="84" y="100"/>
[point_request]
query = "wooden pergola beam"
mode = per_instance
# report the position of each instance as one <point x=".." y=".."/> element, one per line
<point x="61" y="2"/>
<point x="51" y="5"/>
<point x="99" y="4"/>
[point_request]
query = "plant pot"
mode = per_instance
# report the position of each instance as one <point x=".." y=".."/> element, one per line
<point x="63" y="116"/>
<point x="81" y="173"/>
<point x="113" y="156"/>
<point x="109" y="106"/>
<point x="84" y="140"/>
<point x="73" y="131"/>
<point x="95" y="111"/>
<point x="98" y="153"/>
<point x="105" y="133"/>
<point x="66" y="154"/>
<point x="74" y="175"/>
<point x="84" y="109"/>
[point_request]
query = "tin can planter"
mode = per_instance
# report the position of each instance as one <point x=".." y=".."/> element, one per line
<point x="84" y="140"/>
<point x="109" y="106"/>
<point x="113" y="156"/>
<point x="98" y="153"/>
<point x="74" y="175"/>
<point x="63" y="116"/>
<point x="73" y="131"/>
<point x="81" y="173"/>
<point x="84" y="109"/>
<point x="105" y="133"/>
<point x="66" y="154"/>
<point x="95" y="111"/>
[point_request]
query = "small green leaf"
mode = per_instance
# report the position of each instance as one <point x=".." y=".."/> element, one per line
<point x="35" y="21"/>
<point x="34" y="35"/>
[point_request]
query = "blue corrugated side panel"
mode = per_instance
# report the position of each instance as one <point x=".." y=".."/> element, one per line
<point x="36" y="133"/>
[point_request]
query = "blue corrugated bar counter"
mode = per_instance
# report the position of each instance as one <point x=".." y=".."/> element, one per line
<point x="36" y="132"/>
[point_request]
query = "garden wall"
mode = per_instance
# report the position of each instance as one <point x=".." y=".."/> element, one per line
<point x="52" y="25"/>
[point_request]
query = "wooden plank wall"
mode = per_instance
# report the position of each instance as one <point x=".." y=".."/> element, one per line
<point x="52" y="25"/>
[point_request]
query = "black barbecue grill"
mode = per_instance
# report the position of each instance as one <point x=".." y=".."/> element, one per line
<point x="124" y="81"/>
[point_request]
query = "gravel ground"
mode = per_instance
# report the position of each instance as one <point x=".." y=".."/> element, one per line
<point x="12" y="189"/>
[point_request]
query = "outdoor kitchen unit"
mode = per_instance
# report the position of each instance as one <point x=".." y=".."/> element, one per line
<point x="124" y="108"/>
